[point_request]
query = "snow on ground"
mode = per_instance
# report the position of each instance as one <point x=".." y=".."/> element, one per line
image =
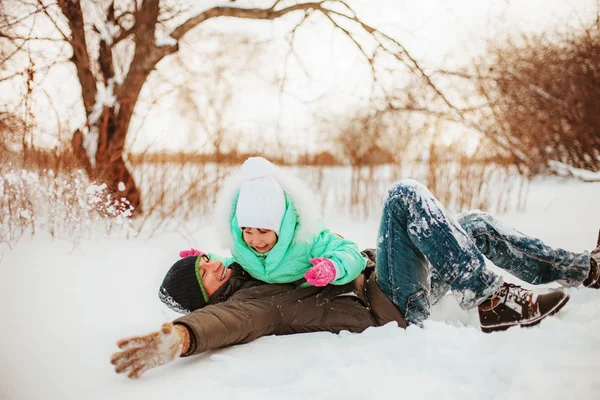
<point x="63" y="306"/>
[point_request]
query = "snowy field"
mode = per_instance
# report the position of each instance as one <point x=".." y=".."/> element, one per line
<point x="63" y="307"/>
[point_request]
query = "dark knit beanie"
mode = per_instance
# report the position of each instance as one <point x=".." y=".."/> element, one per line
<point x="182" y="289"/>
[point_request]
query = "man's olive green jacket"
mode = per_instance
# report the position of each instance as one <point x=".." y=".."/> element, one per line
<point x="245" y="309"/>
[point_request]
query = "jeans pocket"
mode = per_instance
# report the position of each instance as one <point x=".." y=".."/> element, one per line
<point x="417" y="307"/>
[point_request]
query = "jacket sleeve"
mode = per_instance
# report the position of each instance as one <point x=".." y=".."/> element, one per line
<point x="226" y="261"/>
<point x="229" y="323"/>
<point x="344" y="254"/>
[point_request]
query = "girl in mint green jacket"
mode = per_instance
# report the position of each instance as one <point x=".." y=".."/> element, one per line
<point x="266" y="219"/>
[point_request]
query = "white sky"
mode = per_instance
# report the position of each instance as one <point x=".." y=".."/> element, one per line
<point x="436" y="32"/>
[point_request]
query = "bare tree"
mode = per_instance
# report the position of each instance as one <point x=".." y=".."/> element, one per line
<point x="114" y="46"/>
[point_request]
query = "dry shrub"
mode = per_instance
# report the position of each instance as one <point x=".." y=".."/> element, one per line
<point x="387" y="146"/>
<point x="542" y="91"/>
<point x="70" y="207"/>
<point x="345" y="190"/>
<point x="66" y="206"/>
<point x="180" y="189"/>
<point x="176" y="190"/>
<point x="460" y="185"/>
<point x="466" y="182"/>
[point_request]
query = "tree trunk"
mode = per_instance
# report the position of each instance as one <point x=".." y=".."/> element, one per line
<point x="112" y="170"/>
<point x="109" y="166"/>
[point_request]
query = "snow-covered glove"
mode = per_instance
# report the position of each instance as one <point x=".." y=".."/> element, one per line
<point x="190" y="252"/>
<point x="140" y="353"/>
<point x="321" y="273"/>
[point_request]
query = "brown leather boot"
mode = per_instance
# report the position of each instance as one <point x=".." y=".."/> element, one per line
<point x="512" y="305"/>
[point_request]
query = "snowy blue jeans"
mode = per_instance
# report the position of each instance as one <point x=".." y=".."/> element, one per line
<point x="422" y="252"/>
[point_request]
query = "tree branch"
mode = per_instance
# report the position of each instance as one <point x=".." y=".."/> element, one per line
<point x="145" y="58"/>
<point x="105" y="58"/>
<point x="30" y="38"/>
<point x="10" y="24"/>
<point x="271" y="13"/>
<point x="45" y="11"/>
<point x="412" y="61"/>
<point x="71" y="9"/>
<point x="246" y="13"/>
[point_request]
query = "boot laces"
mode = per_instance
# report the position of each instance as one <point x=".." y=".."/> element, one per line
<point x="515" y="293"/>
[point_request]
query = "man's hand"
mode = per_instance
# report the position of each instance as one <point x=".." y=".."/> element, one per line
<point x="322" y="272"/>
<point x="140" y="353"/>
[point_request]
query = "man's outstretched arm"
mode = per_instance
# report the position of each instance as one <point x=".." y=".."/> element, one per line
<point x="205" y="329"/>
<point x="229" y="323"/>
<point x="140" y="353"/>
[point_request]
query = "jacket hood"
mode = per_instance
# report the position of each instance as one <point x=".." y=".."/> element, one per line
<point x="298" y="192"/>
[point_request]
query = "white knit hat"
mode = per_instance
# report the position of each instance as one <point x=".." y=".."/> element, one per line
<point x="261" y="203"/>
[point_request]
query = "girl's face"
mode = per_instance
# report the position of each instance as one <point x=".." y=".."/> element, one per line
<point x="261" y="240"/>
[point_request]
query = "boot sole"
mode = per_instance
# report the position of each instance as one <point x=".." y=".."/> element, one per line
<point x="503" y="327"/>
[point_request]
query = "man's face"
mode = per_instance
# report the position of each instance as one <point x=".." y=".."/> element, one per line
<point x="213" y="274"/>
<point x="261" y="240"/>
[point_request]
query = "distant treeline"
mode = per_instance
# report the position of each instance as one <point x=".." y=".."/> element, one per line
<point x="233" y="158"/>
<point x="64" y="159"/>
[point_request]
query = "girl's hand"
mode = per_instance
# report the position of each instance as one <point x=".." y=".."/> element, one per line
<point x="190" y="252"/>
<point x="322" y="272"/>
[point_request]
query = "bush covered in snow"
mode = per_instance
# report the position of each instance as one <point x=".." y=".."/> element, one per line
<point x="67" y="206"/>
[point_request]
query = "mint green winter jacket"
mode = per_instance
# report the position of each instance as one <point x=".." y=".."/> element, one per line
<point x="289" y="259"/>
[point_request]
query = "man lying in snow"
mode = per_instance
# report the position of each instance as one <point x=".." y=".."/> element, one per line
<point x="421" y="254"/>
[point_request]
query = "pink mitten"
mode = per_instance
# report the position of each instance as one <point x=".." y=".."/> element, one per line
<point x="322" y="272"/>
<point x="190" y="252"/>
